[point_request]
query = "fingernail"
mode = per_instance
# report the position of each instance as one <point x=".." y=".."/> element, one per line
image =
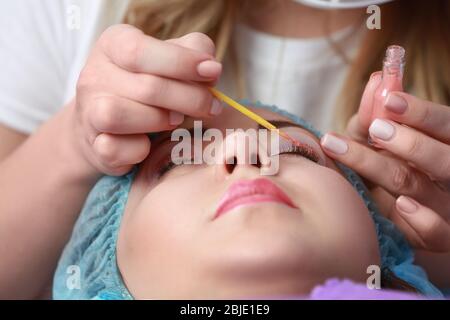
<point x="395" y="103"/>
<point x="381" y="129"/>
<point x="216" y="107"/>
<point x="175" y="118"/>
<point x="209" y="69"/>
<point x="406" y="204"/>
<point x="334" y="144"/>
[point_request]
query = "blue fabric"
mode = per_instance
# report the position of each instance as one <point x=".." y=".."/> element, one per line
<point x="92" y="246"/>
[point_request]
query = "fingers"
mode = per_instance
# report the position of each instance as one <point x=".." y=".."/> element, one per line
<point x="200" y="42"/>
<point x="394" y="175"/>
<point x="354" y="130"/>
<point x="123" y="116"/>
<point x="117" y="153"/>
<point x="187" y="98"/>
<point x="428" y="230"/>
<point x="429" y="117"/>
<point x="423" y="227"/>
<point x="131" y="49"/>
<point x="196" y="41"/>
<point x="386" y="204"/>
<point x="366" y="105"/>
<point x="427" y="154"/>
<point x="134" y="84"/>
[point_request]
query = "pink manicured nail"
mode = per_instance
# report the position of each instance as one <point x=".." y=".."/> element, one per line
<point x="395" y="103"/>
<point x="381" y="129"/>
<point x="175" y="118"/>
<point x="406" y="204"/>
<point x="334" y="144"/>
<point x="216" y="107"/>
<point x="209" y="69"/>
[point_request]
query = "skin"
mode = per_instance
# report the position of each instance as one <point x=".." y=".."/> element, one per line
<point x="103" y="131"/>
<point x="416" y="168"/>
<point x="170" y="247"/>
<point x="33" y="232"/>
<point x="10" y="140"/>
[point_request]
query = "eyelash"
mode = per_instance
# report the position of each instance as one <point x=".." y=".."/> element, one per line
<point x="296" y="150"/>
<point x="169" y="165"/>
<point x="166" y="167"/>
<point x="301" y="150"/>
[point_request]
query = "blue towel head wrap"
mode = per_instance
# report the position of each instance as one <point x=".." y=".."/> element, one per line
<point x="88" y="268"/>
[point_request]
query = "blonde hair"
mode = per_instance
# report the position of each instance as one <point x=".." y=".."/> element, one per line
<point x="165" y="19"/>
<point x="421" y="27"/>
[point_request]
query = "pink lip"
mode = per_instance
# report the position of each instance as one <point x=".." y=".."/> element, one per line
<point x="247" y="192"/>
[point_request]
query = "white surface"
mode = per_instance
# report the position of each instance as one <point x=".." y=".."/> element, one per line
<point x="41" y="57"/>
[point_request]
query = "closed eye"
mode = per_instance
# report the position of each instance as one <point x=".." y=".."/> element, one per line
<point x="169" y="165"/>
<point x="306" y="153"/>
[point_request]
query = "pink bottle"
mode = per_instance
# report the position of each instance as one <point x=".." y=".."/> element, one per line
<point x="392" y="77"/>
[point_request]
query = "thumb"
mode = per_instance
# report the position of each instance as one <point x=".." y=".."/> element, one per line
<point x="366" y="104"/>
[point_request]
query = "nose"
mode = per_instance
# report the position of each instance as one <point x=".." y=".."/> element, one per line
<point x="240" y="150"/>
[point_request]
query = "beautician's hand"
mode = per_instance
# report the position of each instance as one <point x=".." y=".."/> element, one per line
<point x="133" y="84"/>
<point x="410" y="162"/>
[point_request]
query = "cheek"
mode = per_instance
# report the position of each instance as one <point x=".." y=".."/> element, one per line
<point x="155" y="239"/>
<point x="161" y="221"/>
<point x="349" y="228"/>
<point x="329" y="198"/>
<point x="169" y="215"/>
<point x="340" y="220"/>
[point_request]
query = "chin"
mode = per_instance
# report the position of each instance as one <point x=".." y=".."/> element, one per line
<point x="261" y="253"/>
<point x="272" y="235"/>
<point x="258" y="268"/>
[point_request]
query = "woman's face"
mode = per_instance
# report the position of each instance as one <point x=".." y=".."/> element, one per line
<point x="226" y="231"/>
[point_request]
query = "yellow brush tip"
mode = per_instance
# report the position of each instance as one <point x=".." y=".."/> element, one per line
<point x="222" y="97"/>
<point x="244" y="110"/>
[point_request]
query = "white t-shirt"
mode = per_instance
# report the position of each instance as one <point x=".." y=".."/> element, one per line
<point x="302" y="76"/>
<point x="43" y="47"/>
<point x="42" y="52"/>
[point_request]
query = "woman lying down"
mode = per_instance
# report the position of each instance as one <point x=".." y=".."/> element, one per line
<point x="207" y="231"/>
